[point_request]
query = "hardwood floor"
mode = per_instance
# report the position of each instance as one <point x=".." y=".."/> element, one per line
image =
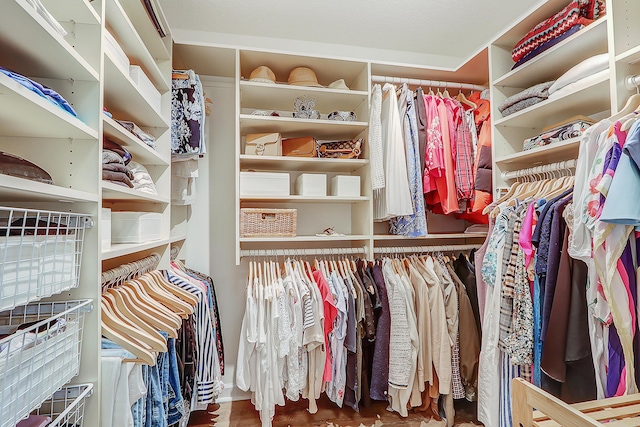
<point x="295" y="414"/>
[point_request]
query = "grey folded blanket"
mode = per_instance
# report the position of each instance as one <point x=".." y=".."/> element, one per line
<point x="540" y="90"/>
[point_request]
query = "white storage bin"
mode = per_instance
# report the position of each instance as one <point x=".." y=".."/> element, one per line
<point x="135" y="227"/>
<point x="106" y="229"/>
<point x="345" y="186"/>
<point x="31" y="373"/>
<point x="146" y="88"/>
<point x="115" y="52"/>
<point x="311" y="184"/>
<point x="264" y="184"/>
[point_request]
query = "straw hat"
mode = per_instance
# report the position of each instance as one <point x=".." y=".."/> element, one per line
<point x="303" y="76"/>
<point x="262" y="74"/>
<point x="339" y="84"/>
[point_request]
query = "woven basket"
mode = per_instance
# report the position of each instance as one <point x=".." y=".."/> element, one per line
<point x="261" y="222"/>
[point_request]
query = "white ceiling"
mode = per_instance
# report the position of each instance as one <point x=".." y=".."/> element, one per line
<point x="454" y="28"/>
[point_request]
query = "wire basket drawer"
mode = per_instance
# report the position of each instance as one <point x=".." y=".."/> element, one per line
<point x="40" y="254"/>
<point x="66" y="406"/>
<point x="263" y="222"/>
<point x="41" y="354"/>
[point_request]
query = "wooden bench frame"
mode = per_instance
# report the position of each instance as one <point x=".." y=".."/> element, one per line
<point x="623" y="411"/>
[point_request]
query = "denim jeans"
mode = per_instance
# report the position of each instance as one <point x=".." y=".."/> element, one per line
<point x="176" y="402"/>
<point x="155" y="415"/>
<point x="139" y="408"/>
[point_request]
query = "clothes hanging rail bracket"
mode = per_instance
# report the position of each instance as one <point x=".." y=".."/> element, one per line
<point x="301" y="252"/>
<point x="427" y="83"/>
<point x="417" y="249"/>
<point x="538" y="170"/>
<point x="129" y="271"/>
<point x="633" y="83"/>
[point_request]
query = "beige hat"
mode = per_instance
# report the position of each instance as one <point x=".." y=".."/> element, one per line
<point x="303" y="76"/>
<point x="339" y="84"/>
<point x="262" y="74"/>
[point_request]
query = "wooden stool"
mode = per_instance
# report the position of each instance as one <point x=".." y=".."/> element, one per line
<point x="550" y="411"/>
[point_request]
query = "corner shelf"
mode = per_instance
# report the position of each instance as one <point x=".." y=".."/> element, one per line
<point x="22" y="108"/>
<point x="588" y="100"/>
<point x="51" y="56"/>
<point x="282" y="163"/>
<point x="124" y="249"/>
<point x="266" y="96"/>
<point x="555" y="152"/>
<point x="553" y="62"/>
<point x="303" y="199"/>
<point x="24" y="190"/>
<point x="133" y="45"/>
<point x="140" y="151"/>
<point x="433" y="236"/>
<point x="345" y="238"/>
<point x="113" y="192"/>
<point x="289" y="126"/>
<point x="122" y="95"/>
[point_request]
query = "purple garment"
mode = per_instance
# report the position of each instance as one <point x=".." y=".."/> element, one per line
<point x="612" y="157"/>
<point x="34" y="421"/>
<point x="380" y="363"/>
<point x="558" y="228"/>
<point x="546" y="45"/>
<point x="352" y="359"/>
<point x="616" y="362"/>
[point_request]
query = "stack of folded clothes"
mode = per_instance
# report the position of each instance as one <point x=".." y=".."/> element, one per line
<point x="141" y="179"/>
<point x="563" y="131"/>
<point x="139" y="133"/>
<point x="575" y="16"/>
<point x="526" y="98"/>
<point x="114" y="169"/>
<point x="10" y="164"/>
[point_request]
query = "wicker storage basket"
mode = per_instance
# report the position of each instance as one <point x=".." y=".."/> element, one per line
<point x="262" y="222"/>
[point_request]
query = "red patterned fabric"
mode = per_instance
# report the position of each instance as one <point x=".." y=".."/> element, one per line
<point x="575" y="13"/>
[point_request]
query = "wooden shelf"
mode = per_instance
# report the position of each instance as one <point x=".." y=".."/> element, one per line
<point x="292" y="127"/>
<point x="137" y="13"/>
<point x="131" y="248"/>
<point x="133" y="46"/>
<point x="79" y="11"/>
<point x="122" y="96"/>
<point x="589" y="100"/>
<point x="51" y="56"/>
<point x="115" y="192"/>
<point x="303" y="199"/>
<point x="265" y="96"/>
<point x="553" y="62"/>
<point x="434" y="236"/>
<point x="630" y="56"/>
<point x="556" y="152"/>
<point x="140" y="151"/>
<point x="280" y="163"/>
<point x="23" y="113"/>
<point x="14" y="189"/>
<point x="345" y="238"/>
<point x="176" y="239"/>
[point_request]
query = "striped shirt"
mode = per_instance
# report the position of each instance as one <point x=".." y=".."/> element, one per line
<point x="208" y="378"/>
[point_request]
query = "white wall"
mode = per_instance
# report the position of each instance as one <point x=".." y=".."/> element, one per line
<point x="211" y="230"/>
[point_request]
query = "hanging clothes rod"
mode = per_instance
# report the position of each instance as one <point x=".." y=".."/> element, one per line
<point x="300" y="252"/>
<point x="129" y="271"/>
<point x="552" y="167"/>
<point x="427" y="83"/>
<point x="417" y="249"/>
<point x="632" y="82"/>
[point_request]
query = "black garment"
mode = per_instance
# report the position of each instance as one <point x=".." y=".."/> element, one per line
<point x="421" y="119"/>
<point x="467" y="275"/>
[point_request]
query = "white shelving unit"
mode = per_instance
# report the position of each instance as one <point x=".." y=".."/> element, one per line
<point x="69" y="148"/>
<point x="596" y="100"/>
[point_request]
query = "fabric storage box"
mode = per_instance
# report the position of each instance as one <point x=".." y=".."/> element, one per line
<point x="311" y="184"/>
<point x="264" y="184"/>
<point x="345" y="186"/>
<point x="106" y="229"/>
<point x="263" y="144"/>
<point x="146" y="88"/>
<point x="115" y="52"/>
<point x="135" y="227"/>
<point x="263" y="222"/>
